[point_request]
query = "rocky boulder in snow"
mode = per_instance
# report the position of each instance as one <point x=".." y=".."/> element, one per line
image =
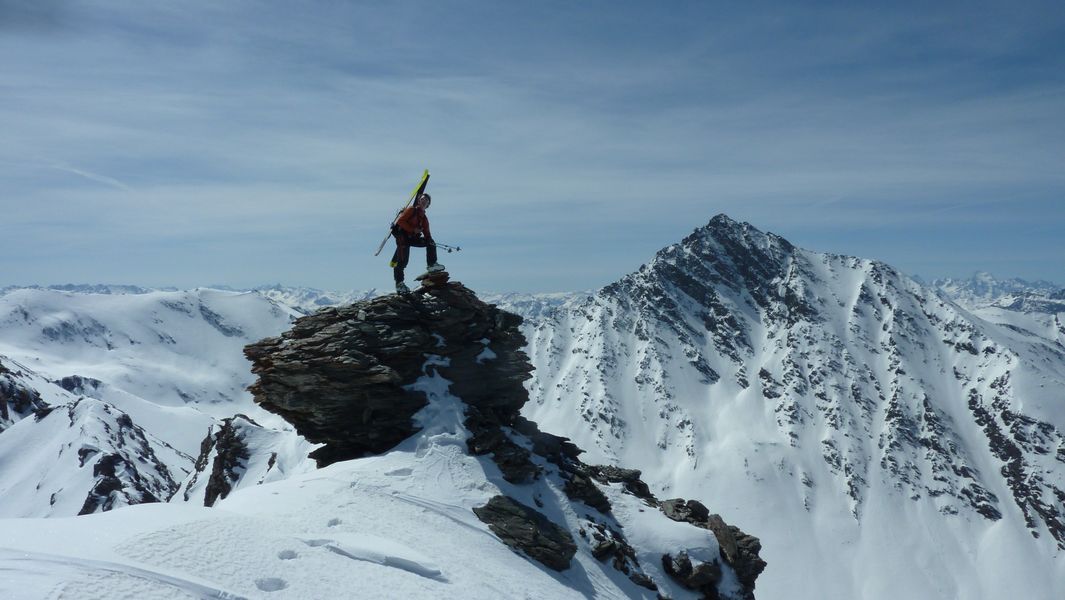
<point x="739" y="550"/>
<point x="526" y="529"/>
<point x="340" y="375"/>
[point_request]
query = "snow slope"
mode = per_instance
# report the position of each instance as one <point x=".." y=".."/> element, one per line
<point x="72" y="455"/>
<point x="169" y="348"/>
<point x="882" y="441"/>
<point x="397" y="525"/>
<point x="132" y="383"/>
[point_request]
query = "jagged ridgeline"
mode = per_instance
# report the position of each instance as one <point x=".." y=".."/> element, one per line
<point x="345" y="378"/>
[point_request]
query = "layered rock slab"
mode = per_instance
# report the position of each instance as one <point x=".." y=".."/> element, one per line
<point x="526" y="529"/>
<point x="341" y="375"/>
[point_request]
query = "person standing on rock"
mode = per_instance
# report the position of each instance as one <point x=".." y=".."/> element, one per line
<point x="412" y="229"/>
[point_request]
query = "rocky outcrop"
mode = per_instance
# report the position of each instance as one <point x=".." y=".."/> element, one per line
<point x="526" y="529"/>
<point x="238" y="452"/>
<point x="340" y="375"/>
<point x="226" y="452"/>
<point x="702" y="577"/>
<point x="344" y="377"/>
<point x="129" y="472"/>
<point x="16" y="401"/>
<point x="82" y="386"/>
<point x="488" y="438"/>
<point x="739" y="549"/>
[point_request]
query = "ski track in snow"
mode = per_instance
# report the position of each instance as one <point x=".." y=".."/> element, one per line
<point x="22" y="562"/>
<point x="381" y="551"/>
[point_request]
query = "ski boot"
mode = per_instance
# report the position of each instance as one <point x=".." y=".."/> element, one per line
<point x="401" y="288"/>
<point x="435" y="268"/>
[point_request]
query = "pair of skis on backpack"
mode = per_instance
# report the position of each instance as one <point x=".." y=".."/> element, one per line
<point x="418" y="191"/>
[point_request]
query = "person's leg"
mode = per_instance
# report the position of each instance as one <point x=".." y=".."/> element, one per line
<point x="400" y="258"/>
<point x="430" y="249"/>
<point x="430" y="254"/>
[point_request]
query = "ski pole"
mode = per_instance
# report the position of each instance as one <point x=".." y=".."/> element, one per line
<point x="449" y="249"/>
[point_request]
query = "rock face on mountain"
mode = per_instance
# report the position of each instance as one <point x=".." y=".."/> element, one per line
<point x="346" y="377"/>
<point x="223" y="456"/>
<point x="238" y="452"/>
<point x="16" y="401"/>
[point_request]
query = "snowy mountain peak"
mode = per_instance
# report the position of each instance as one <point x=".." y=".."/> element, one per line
<point x="835" y="384"/>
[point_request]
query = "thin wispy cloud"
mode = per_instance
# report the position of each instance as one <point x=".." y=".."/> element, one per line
<point x="102" y="179"/>
<point x="590" y="130"/>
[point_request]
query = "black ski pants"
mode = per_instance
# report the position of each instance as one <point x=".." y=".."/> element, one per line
<point x="404" y="241"/>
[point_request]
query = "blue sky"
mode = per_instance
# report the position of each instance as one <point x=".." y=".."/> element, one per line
<point x="243" y="143"/>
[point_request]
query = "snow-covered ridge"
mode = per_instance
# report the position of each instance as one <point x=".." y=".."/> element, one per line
<point x="533" y="305"/>
<point x="62" y="454"/>
<point x="169" y="348"/>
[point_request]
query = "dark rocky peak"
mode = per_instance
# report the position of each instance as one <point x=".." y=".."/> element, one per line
<point x="727" y="271"/>
<point x="736" y="254"/>
<point x="77" y="384"/>
<point x="344" y="377"/>
<point x="723" y="256"/>
<point x="714" y="285"/>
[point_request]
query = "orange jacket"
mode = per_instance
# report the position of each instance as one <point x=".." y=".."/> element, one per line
<point x="413" y="221"/>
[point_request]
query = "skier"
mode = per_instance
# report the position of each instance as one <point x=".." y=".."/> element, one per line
<point x="412" y="229"/>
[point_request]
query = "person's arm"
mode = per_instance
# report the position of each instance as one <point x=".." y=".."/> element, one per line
<point x="425" y="227"/>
